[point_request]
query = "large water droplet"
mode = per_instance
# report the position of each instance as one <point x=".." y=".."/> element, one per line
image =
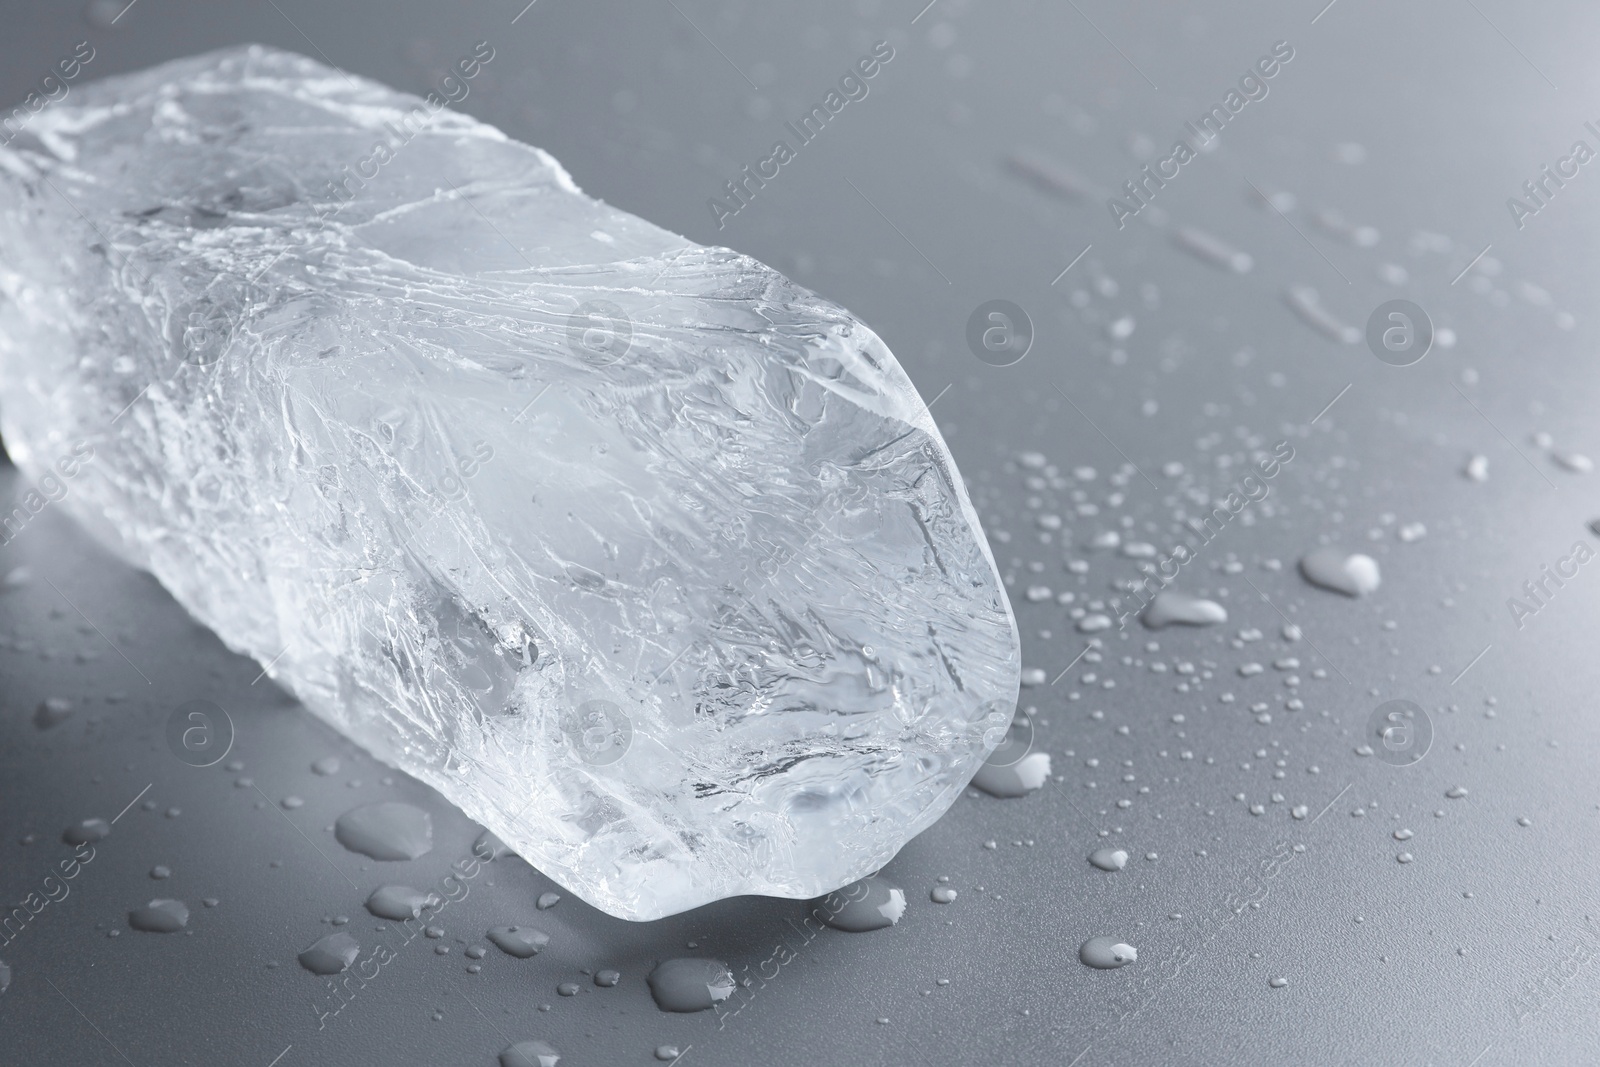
<point x="1107" y="953"/>
<point x="870" y="904"/>
<point x="1012" y="770"/>
<point x="331" y="954"/>
<point x="1352" y="574"/>
<point x="398" y="902"/>
<point x="519" y="941"/>
<point x="688" y="984"/>
<point x="1169" y="608"/>
<point x="53" y="711"/>
<point x="386" y="831"/>
<point x="1109" y="859"/>
<point x="1305" y="303"/>
<point x="1212" y="249"/>
<point x="489" y="847"/>
<point x="86" y="831"/>
<point x="160" y="917"/>
<point x="529" y="1054"/>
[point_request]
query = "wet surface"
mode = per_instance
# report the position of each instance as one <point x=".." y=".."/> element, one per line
<point x="1256" y="772"/>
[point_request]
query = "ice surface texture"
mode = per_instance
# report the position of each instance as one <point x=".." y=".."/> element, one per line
<point x="679" y="594"/>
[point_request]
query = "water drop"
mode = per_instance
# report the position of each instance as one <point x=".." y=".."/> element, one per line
<point x="667" y="1053"/>
<point x="567" y="989"/>
<point x="942" y="895"/>
<point x="529" y="1054"/>
<point x="399" y="902"/>
<point x="386" y="831"/>
<point x="1169" y="608"/>
<point x="331" y="954"/>
<point x="1303" y="300"/>
<point x="1341" y="572"/>
<point x="870" y="904"/>
<point x="1278" y="983"/>
<point x="52" y="711"/>
<point x="690" y="984"/>
<point x="1106" y="953"/>
<point x="607" y="979"/>
<point x="547" y="901"/>
<point x="1109" y="859"/>
<point x="489" y="847"/>
<point x="1212" y="250"/>
<point x="86" y="831"/>
<point x="325" y="766"/>
<point x="519" y="941"/>
<point x="159" y="871"/>
<point x="1011" y="769"/>
<point x="160" y="917"/>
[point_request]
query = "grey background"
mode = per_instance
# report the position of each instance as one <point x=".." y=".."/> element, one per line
<point x="1454" y="103"/>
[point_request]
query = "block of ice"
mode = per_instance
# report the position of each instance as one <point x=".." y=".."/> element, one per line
<point x="649" y="559"/>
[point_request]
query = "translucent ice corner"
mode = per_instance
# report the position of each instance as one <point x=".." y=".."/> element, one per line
<point x="649" y="559"/>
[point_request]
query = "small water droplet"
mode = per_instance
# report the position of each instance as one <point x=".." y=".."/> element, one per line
<point x="1278" y="983"/>
<point x="330" y="954"/>
<point x="870" y="904"/>
<point x="489" y="847"/>
<point x="942" y="895"/>
<point x="86" y="831"/>
<point x="53" y="711"/>
<point x="160" y="917"/>
<point x="607" y="979"/>
<point x="399" y="902"/>
<point x="690" y="984"/>
<point x="667" y="1053"/>
<point x="1107" y="953"/>
<point x="519" y="941"/>
<point x="548" y="900"/>
<point x="325" y="766"/>
<point x="1109" y="859"/>
<point x="529" y="1054"/>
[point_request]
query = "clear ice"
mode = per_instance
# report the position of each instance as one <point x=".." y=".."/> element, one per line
<point x="650" y="560"/>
